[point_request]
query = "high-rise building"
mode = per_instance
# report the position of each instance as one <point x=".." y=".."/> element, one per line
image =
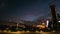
<point x="54" y="17"/>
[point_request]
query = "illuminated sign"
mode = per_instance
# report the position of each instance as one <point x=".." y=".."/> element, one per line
<point x="47" y="23"/>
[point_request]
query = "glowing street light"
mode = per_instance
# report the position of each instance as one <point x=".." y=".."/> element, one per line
<point x="59" y="21"/>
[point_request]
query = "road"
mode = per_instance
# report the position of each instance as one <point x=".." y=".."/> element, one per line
<point x="29" y="32"/>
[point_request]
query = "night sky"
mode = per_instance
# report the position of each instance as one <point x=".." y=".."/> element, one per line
<point x="25" y="9"/>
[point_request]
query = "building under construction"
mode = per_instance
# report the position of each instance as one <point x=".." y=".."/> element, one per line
<point x="54" y="16"/>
